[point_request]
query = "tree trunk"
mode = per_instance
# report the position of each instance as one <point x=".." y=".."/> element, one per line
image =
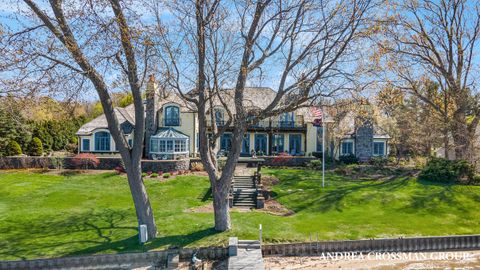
<point x="143" y="208"/>
<point x="461" y="137"/>
<point x="446" y="143"/>
<point x="221" y="207"/>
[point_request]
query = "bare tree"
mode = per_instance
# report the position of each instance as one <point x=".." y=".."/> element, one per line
<point x="76" y="45"/>
<point x="437" y="40"/>
<point x="226" y="44"/>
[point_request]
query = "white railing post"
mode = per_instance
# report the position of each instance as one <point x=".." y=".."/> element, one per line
<point x="260" y="233"/>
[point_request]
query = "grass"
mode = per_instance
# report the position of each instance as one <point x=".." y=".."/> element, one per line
<point x="44" y="215"/>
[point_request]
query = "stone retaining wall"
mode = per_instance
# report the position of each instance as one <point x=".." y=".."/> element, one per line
<point x="464" y="242"/>
<point x="106" y="163"/>
<point x="116" y="261"/>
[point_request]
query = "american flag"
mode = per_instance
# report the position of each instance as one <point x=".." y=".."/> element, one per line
<point x="317" y="112"/>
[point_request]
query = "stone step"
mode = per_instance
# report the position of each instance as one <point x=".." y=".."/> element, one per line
<point x="245" y="205"/>
<point x="250" y="244"/>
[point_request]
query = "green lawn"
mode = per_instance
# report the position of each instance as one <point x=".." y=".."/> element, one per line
<point x="44" y="215"/>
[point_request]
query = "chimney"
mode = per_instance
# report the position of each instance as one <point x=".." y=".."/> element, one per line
<point x="364" y="133"/>
<point x="151" y="108"/>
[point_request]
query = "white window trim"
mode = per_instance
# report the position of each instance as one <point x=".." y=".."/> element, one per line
<point x="341" y="147"/>
<point x="384" y="149"/>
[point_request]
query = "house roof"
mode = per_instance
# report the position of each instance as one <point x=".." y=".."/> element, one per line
<point x="124" y="115"/>
<point x="170" y="133"/>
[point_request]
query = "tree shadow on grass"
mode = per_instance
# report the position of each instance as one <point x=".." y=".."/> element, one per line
<point x="207" y="195"/>
<point x="131" y="244"/>
<point x="81" y="233"/>
<point x="322" y="200"/>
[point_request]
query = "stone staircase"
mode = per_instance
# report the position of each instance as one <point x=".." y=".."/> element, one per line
<point x="244" y="191"/>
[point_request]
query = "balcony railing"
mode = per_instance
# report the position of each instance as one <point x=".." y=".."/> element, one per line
<point x="171" y="122"/>
<point x="267" y="124"/>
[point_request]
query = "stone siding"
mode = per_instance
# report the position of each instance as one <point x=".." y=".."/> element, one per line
<point x="364" y="140"/>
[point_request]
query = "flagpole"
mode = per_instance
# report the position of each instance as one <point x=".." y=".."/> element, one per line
<point x="323" y="151"/>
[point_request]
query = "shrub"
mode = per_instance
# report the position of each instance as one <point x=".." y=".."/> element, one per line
<point x="144" y="174"/>
<point x="85" y="161"/>
<point x="160" y="172"/>
<point x="149" y="172"/>
<point x="197" y="166"/>
<point x="36" y="147"/>
<point x="166" y="175"/>
<point x="13" y="149"/>
<point x="281" y="159"/>
<point x="348" y="159"/>
<point x="444" y="170"/>
<point x="315" y="164"/>
<point x="119" y="169"/>
<point x="379" y="162"/>
<point x="476" y="179"/>
<point x="154" y="175"/>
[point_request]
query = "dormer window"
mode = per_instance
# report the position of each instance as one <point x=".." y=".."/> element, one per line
<point x="172" y="116"/>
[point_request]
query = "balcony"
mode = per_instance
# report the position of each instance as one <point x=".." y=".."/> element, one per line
<point x="268" y="125"/>
<point x="171" y="122"/>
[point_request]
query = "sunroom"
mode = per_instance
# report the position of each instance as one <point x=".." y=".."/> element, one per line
<point x="169" y="143"/>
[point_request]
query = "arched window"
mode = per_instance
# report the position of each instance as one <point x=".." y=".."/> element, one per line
<point x="102" y="141"/>
<point x="172" y="116"/>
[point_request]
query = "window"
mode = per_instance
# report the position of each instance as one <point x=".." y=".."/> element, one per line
<point x="286" y="120"/>
<point x="295" y="144"/>
<point x="154" y="145"/>
<point x="319" y="139"/>
<point x="219" y="118"/>
<point x="102" y="141"/>
<point x="163" y="146"/>
<point x="169" y="146"/>
<point x="226" y="142"/>
<point x="261" y="144"/>
<point x="86" y="145"/>
<point x="130" y="142"/>
<point x="246" y="144"/>
<point x="347" y="148"/>
<point x="172" y="116"/>
<point x="278" y="143"/>
<point x="178" y="146"/>
<point x="378" y="148"/>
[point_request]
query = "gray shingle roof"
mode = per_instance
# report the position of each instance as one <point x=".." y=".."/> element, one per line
<point x="124" y="115"/>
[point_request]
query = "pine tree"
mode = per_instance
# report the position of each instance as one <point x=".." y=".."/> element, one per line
<point x="36" y="148"/>
<point x="13" y="149"/>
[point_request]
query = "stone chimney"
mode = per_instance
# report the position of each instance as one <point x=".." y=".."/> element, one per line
<point x="364" y="134"/>
<point x="151" y="108"/>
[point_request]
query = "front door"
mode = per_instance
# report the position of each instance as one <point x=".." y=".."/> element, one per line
<point x="295" y="144"/>
<point x="261" y="144"/>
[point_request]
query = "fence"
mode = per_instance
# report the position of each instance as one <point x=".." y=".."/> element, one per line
<point x="116" y="261"/>
<point x="464" y="242"/>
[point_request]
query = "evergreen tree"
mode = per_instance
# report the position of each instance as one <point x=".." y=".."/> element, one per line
<point x="36" y="147"/>
<point x="13" y="149"/>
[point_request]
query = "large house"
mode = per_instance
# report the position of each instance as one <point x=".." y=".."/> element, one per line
<point x="172" y="130"/>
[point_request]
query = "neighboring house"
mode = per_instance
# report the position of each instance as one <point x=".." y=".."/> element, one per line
<point x="362" y="137"/>
<point x="171" y="129"/>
